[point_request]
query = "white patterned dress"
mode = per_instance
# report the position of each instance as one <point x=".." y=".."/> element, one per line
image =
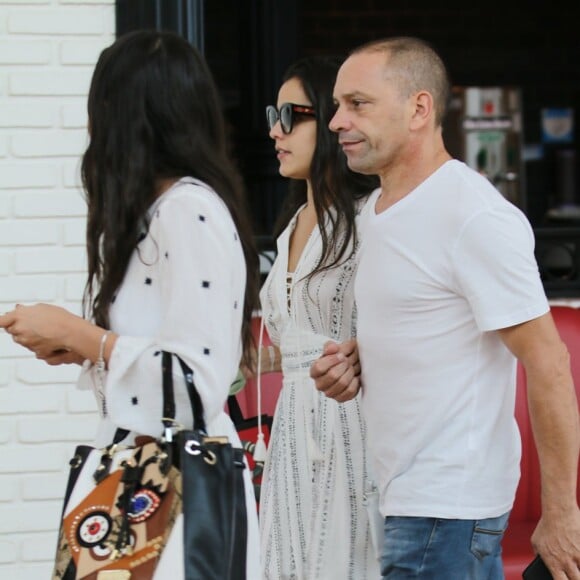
<point x="313" y="523"/>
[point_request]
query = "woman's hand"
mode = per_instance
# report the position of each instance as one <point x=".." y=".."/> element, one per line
<point x="62" y="357"/>
<point x="44" y="330"/>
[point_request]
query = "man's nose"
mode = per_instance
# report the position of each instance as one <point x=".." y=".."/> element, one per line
<point x="338" y="121"/>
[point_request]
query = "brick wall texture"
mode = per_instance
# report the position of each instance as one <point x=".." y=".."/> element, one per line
<point x="48" y="49"/>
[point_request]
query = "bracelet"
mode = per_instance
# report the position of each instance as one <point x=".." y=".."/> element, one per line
<point x="100" y="364"/>
<point x="271" y="357"/>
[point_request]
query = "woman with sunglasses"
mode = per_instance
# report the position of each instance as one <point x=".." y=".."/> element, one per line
<point x="312" y="518"/>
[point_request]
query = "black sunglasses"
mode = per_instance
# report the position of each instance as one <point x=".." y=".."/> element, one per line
<point x="286" y="115"/>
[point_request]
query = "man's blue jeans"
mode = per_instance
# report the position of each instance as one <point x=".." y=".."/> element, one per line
<point x="441" y="549"/>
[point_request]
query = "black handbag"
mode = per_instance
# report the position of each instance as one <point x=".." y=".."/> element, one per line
<point x="121" y="502"/>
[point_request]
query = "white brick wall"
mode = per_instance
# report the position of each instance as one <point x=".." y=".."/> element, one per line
<point x="48" y="49"/>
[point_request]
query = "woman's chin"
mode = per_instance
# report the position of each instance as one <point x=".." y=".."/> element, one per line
<point x="292" y="173"/>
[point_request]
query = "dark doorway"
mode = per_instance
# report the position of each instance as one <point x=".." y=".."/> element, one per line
<point x="247" y="45"/>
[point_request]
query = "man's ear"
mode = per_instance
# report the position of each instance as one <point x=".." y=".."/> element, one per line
<point x="423" y="112"/>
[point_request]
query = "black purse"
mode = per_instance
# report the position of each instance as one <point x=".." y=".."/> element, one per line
<point x="121" y="502"/>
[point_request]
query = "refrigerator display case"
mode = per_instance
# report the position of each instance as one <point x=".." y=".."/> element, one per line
<point x="484" y="129"/>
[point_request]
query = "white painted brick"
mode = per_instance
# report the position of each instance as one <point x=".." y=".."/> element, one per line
<point x="27" y="571"/>
<point x="76" y="428"/>
<point x="38" y="516"/>
<point x="74" y="307"/>
<point x="9" y="349"/>
<point x="71" y="174"/>
<point x="6" y="372"/>
<point x="6" y="263"/>
<point x="41" y="89"/>
<point x="70" y="259"/>
<point x="7" y="553"/>
<point x="29" y="289"/>
<point x="9" y="488"/>
<point x="75" y="21"/>
<point x="104" y="2"/>
<point x="5" y="340"/>
<point x="74" y="287"/>
<point x="27" y="176"/>
<point x="41" y="547"/>
<point x="58" y="82"/>
<point x="27" y="52"/>
<point x="7" y="426"/>
<point x="13" y="572"/>
<point x="81" y="401"/>
<point x="109" y="28"/>
<point x="4" y="205"/>
<point x="37" y="372"/>
<point x="74" y="115"/>
<point x="23" y="114"/>
<point x="80" y="51"/>
<point x="26" y="113"/>
<point x="75" y="232"/>
<point x="76" y="302"/>
<point x="29" y="233"/>
<point x="39" y="487"/>
<point x="50" y="204"/>
<point x="32" y="458"/>
<point x="49" y="143"/>
<point x="25" y="400"/>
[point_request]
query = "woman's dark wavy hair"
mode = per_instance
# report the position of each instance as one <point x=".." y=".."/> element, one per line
<point x="333" y="183"/>
<point x="154" y="113"/>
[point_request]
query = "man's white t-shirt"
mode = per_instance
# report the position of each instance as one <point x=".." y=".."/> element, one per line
<point x="440" y="271"/>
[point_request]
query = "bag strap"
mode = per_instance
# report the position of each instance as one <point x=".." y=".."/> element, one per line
<point x="169" y="396"/>
<point x="168" y="419"/>
<point x="194" y="397"/>
<point x="120" y="434"/>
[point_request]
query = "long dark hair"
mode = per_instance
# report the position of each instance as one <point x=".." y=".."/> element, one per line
<point x="154" y="113"/>
<point x="333" y="183"/>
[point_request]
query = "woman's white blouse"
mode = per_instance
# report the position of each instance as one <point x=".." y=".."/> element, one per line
<point x="183" y="292"/>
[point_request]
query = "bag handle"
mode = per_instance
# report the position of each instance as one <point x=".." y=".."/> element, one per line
<point x="169" y="396"/>
<point x="168" y="418"/>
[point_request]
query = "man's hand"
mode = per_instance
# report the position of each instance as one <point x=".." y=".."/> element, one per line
<point x="336" y="372"/>
<point x="557" y="540"/>
<point x="553" y="409"/>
